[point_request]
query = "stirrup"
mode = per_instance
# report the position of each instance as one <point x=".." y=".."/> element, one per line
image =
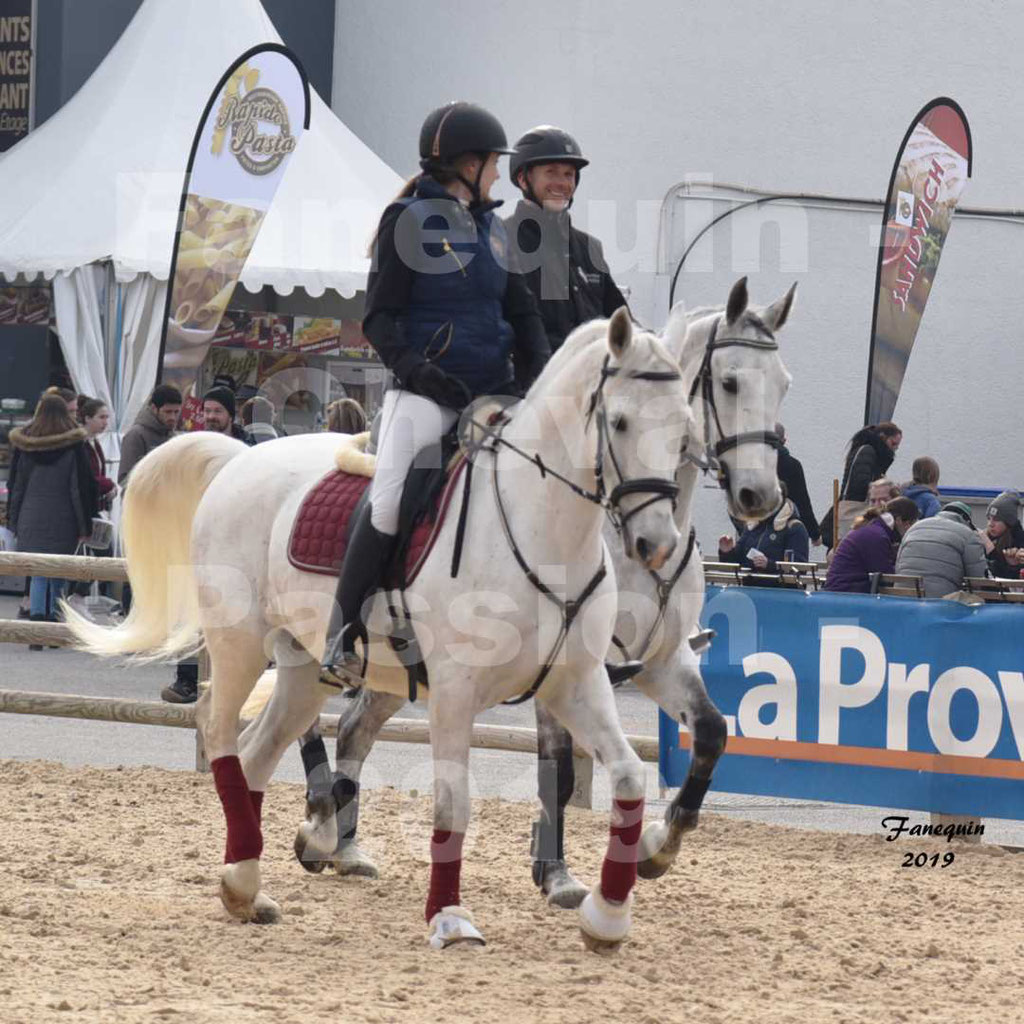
<point x="623" y="671"/>
<point x="701" y="640"/>
<point x="343" y="670"/>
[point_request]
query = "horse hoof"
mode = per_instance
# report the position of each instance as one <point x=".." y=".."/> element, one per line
<point x="600" y="946"/>
<point x="265" y="910"/>
<point x="657" y="851"/>
<point x="310" y="850"/>
<point x="452" y="927"/>
<point x="350" y="862"/>
<point x="562" y="889"/>
<point x="604" y="925"/>
<point x="240" y="890"/>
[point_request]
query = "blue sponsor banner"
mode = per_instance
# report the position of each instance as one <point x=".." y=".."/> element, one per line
<point x="879" y="701"/>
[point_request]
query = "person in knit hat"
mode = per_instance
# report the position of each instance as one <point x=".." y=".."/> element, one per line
<point x="1003" y="536"/>
<point x="219" y="412"/>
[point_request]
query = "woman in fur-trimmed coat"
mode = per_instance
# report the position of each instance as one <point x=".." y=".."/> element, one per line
<point x="53" y="493"/>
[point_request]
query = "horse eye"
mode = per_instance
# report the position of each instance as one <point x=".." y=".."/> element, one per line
<point x="730" y="385"/>
<point x="619" y="424"/>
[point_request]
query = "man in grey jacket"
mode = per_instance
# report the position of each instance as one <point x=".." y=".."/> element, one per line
<point x="943" y="550"/>
<point x="154" y="425"/>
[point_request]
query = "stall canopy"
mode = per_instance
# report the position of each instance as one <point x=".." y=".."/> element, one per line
<point x="90" y="199"/>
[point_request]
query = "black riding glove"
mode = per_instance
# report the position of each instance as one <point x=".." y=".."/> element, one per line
<point x="432" y="382"/>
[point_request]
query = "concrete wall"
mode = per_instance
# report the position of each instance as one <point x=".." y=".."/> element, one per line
<point x="798" y="97"/>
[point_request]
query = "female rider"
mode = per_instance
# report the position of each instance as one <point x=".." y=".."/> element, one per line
<point x="450" y="316"/>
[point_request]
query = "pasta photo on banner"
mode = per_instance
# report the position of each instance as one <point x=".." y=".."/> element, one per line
<point x="931" y="169"/>
<point x="245" y="139"/>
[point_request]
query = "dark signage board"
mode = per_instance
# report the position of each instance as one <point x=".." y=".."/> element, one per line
<point x="16" y="71"/>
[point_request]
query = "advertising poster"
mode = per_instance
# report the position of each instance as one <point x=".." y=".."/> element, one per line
<point x="246" y="136"/>
<point x="16" y="71"/>
<point x="932" y="167"/>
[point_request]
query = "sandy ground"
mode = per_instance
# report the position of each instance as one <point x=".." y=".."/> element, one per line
<point x="109" y="913"/>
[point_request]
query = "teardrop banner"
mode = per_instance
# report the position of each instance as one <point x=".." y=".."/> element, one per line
<point x="247" y="134"/>
<point x="931" y="169"/>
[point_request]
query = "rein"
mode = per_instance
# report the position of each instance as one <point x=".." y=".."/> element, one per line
<point x="664" y="587"/>
<point x="704" y="382"/>
<point x="658" y="488"/>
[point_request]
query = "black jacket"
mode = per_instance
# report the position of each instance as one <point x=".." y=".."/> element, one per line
<point x="403" y="300"/>
<point x="997" y="563"/>
<point x="565" y="269"/>
<point x="791" y="473"/>
<point x="867" y="459"/>
<point x="53" y="492"/>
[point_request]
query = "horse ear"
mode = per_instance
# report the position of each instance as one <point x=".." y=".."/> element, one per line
<point x="737" y="303"/>
<point x="620" y="332"/>
<point x="778" y="312"/>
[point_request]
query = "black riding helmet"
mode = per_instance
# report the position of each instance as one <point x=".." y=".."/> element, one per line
<point x="456" y="129"/>
<point x="544" y="144"/>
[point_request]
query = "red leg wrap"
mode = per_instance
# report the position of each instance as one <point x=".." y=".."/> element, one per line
<point x="245" y="841"/>
<point x="445" y="869"/>
<point x="256" y="798"/>
<point x="618" y="873"/>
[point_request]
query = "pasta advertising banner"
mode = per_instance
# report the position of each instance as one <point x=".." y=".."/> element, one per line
<point x="246" y="136"/>
<point x="932" y="167"/>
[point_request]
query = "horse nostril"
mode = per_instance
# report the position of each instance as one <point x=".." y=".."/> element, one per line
<point x="642" y="549"/>
<point x="747" y="498"/>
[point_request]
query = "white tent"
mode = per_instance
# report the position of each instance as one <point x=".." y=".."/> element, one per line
<point x="90" y="199"/>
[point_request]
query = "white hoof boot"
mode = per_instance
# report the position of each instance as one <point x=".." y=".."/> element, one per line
<point x="241" y="896"/>
<point x="350" y="860"/>
<point x="603" y="924"/>
<point x="453" y="926"/>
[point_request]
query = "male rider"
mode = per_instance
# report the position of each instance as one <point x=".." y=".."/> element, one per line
<point x="566" y="271"/>
<point x="565" y="267"/>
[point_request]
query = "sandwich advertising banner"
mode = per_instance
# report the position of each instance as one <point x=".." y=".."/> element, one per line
<point x="932" y="167"/>
<point x="16" y="71"/>
<point x="246" y="136"/>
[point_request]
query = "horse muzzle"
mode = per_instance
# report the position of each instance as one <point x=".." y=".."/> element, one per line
<point x="650" y="554"/>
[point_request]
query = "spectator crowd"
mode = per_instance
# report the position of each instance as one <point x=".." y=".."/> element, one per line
<point x="878" y="526"/>
<point x="60" y="481"/>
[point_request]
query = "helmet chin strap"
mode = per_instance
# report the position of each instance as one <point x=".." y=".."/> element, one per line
<point x="474" y="186"/>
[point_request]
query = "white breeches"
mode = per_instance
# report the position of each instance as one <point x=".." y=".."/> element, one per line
<point x="409" y="423"/>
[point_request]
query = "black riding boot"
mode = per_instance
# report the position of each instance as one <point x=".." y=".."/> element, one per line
<point x="366" y="556"/>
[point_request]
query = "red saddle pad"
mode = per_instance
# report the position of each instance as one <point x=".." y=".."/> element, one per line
<point x="320" y="531"/>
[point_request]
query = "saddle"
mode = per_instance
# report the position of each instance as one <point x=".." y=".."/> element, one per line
<point x="320" y="533"/>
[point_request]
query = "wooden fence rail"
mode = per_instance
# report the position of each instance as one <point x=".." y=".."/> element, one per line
<point x="67" y="567"/>
<point x="183" y="716"/>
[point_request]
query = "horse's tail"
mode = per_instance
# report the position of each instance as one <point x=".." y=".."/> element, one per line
<point x="160" y="503"/>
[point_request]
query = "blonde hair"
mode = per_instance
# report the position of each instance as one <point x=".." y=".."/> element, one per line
<point x="884" y="481"/>
<point x="346" y="416"/>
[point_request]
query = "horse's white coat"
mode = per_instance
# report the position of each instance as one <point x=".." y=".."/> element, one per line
<point x="264" y="606"/>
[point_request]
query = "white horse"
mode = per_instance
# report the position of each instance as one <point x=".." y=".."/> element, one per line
<point x="736" y="381"/>
<point x="204" y="514"/>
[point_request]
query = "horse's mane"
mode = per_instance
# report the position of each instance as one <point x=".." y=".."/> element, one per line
<point x="595" y="333"/>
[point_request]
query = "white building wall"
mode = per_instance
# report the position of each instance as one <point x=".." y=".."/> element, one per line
<point x="795" y="97"/>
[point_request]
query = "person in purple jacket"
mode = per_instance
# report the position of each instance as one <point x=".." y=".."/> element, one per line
<point x="870" y="546"/>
